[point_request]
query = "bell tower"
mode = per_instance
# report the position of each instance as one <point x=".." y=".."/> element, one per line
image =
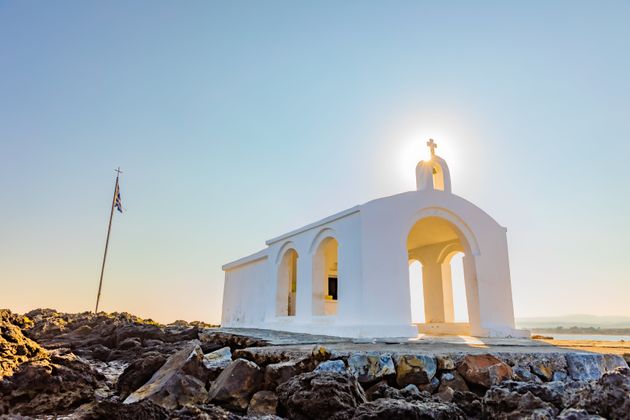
<point x="433" y="174"/>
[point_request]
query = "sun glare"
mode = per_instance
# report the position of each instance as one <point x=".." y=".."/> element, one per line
<point x="414" y="149"/>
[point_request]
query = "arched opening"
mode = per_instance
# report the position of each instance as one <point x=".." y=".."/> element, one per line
<point x="287" y="284"/>
<point x="460" y="303"/>
<point x="415" y="292"/>
<point x="437" y="244"/>
<point x="438" y="177"/>
<point x="326" y="277"/>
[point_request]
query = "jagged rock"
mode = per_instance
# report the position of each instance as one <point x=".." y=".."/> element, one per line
<point x="368" y="368"/>
<point x="385" y="409"/>
<point x="559" y="377"/>
<point x="263" y="403"/>
<point x="501" y="403"/>
<point x="525" y="375"/>
<point x="236" y="384"/>
<point x="95" y="352"/>
<point x="614" y="361"/>
<point x="114" y="410"/>
<point x="468" y="402"/>
<point x="105" y="337"/>
<point x="320" y="353"/>
<point x="585" y="366"/>
<point x="203" y="412"/>
<point x="414" y="369"/>
<point x="454" y="381"/>
<point x="550" y="392"/>
<point x="15" y="348"/>
<point x="278" y="373"/>
<point x="411" y="392"/>
<point x="337" y="366"/>
<point x="431" y="387"/>
<point x="383" y="390"/>
<point x="608" y="397"/>
<point x="319" y="395"/>
<point x="445" y="362"/>
<point x="179" y="382"/>
<point x="216" y="361"/>
<point x="591" y="366"/>
<point x="484" y="370"/>
<point x="543" y="369"/>
<point x="575" y="414"/>
<point x="51" y="385"/>
<point x="138" y="373"/>
<point x="213" y="340"/>
<point x="130" y="343"/>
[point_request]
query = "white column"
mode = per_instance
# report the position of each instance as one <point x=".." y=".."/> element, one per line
<point x="304" y="288"/>
<point x="472" y="294"/>
<point x="433" y="292"/>
<point x="447" y="292"/>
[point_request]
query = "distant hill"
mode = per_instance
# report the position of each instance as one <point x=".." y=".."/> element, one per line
<point x="578" y="320"/>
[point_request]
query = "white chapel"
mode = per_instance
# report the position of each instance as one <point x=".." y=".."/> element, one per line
<point x="348" y="274"/>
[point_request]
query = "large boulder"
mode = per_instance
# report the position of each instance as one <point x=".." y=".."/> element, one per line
<point x="585" y="366"/>
<point x="138" y="373"/>
<point x="47" y="386"/>
<point x="385" y="409"/>
<point x="337" y="366"/>
<point x="468" y="402"/>
<point x="114" y="410"/>
<point x="576" y="414"/>
<point x="263" y="403"/>
<point x="414" y="369"/>
<point x="236" y="384"/>
<point x="204" y="412"/>
<point x="369" y="368"/>
<point x="15" y="348"/>
<point x="319" y="395"/>
<point x="454" y="381"/>
<point x="484" y="370"/>
<point x="216" y="361"/>
<point x="607" y="397"/>
<point x="549" y="392"/>
<point x="383" y="390"/>
<point x="179" y="382"/>
<point x="279" y="373"/>
<point x="501" y="403"/>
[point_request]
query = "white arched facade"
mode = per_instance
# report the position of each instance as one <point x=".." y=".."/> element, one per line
<point x="353" y="269"/>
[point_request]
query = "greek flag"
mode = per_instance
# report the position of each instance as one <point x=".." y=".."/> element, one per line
<point x="118" y="202"/>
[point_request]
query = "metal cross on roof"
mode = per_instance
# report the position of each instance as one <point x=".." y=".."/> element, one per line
<point x="432" y="145"/>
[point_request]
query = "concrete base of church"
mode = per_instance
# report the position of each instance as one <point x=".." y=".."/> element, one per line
<point x="463" y="328"/>
<point x="325" y="327"/>
<point x="445" y="328"/>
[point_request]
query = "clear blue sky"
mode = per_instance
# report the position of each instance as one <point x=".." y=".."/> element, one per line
<point x="220" y="112"/>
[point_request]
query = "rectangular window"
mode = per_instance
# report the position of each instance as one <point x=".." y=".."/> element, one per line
<point x="332" y="287"/>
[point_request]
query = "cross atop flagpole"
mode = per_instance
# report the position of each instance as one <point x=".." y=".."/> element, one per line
<point x="116" y="203"/>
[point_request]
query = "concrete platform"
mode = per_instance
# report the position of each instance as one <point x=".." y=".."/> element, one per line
<point x="425" y="344"/>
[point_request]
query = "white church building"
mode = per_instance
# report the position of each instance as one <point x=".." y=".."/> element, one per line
<point x="348" y="274"/>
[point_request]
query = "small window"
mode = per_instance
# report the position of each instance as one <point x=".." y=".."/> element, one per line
<point x="332" y="287"/>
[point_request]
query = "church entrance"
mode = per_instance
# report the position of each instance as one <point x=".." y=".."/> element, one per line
<point x="326" y="277"/>
<point x="434" y="245"/>
<point x="287" y="284"/>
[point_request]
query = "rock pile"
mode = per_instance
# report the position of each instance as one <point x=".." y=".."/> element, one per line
<point x="117" y="366"/>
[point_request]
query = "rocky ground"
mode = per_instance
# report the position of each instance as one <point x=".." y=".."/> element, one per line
<point x="118" y="366"/>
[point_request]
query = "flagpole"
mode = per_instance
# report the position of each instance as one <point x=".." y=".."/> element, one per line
<point x="109" y="229"/>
